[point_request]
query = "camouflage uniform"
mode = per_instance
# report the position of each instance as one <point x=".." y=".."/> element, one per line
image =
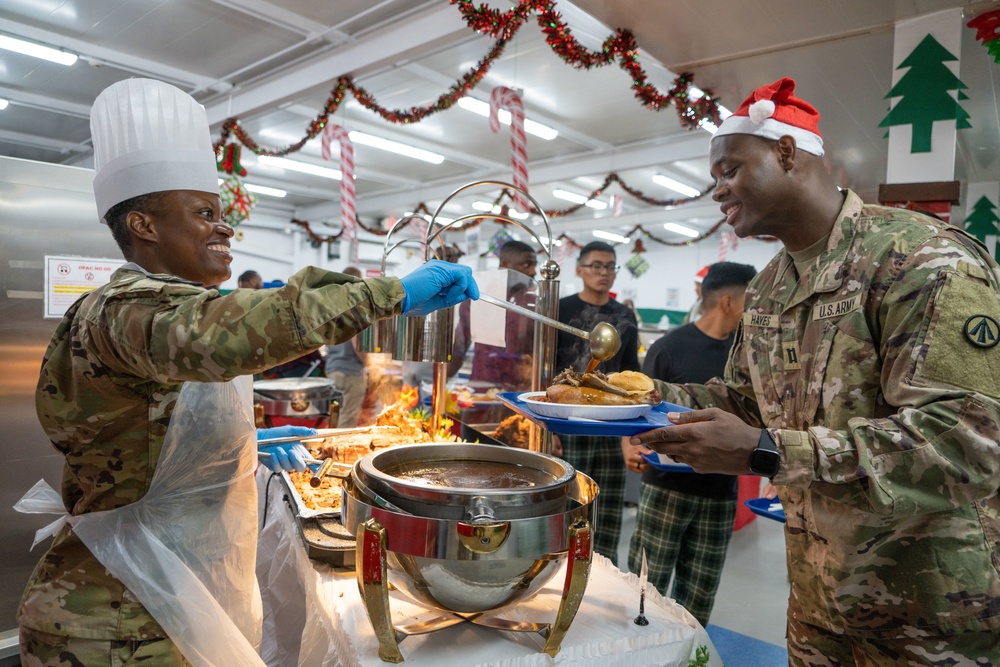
<point x="875" y="373"/>
<point x="108" y="385"/>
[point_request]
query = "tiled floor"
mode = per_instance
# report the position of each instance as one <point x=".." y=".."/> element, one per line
<point x="748" y="620"/>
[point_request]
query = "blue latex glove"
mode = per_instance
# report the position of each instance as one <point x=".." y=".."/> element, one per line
<point x="286" y="456"/>
<point x="437" y="285"/>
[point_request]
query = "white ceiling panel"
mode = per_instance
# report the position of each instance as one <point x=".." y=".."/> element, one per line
<point x="273" y="63"/>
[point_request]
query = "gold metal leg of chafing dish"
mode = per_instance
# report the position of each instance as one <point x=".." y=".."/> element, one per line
<point x="577" y="571"/>
<point x="373" y="584"/>
<point x="434" y="624"/>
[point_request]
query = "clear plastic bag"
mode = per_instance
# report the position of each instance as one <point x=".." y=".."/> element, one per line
<point x="187" y="549"/>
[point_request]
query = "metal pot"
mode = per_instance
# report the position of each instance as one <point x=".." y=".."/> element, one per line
<point x="464" y="481"/>
<point x="310" y="401"/>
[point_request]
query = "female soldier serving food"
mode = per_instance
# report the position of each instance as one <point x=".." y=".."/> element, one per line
<point x="145" y="390"/>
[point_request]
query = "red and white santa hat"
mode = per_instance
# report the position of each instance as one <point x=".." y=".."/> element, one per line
<point x="773" y="111"/>
<point x="700" y="276"/>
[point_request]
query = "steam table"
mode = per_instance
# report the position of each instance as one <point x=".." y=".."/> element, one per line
<point x="313" y="616"/>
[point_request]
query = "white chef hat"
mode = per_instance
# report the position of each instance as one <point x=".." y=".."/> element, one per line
<point x="149" y="137"/>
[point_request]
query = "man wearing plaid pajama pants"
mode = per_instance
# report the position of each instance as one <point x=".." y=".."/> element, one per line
<point x="685" y="520"/>
<point x="598" y="457"/>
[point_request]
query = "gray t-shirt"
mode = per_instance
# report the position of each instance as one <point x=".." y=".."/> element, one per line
<point x="343" y="358"/>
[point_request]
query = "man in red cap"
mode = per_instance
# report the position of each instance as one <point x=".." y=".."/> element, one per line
<point x="865" y="382"/>
<point x="695" y="311"/>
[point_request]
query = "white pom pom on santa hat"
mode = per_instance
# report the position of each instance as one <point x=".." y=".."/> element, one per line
<point x="761" y="109"/>
<point x="773" y="111"/>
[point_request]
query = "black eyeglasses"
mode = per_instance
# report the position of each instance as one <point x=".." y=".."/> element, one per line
<point x="597" y="267"/>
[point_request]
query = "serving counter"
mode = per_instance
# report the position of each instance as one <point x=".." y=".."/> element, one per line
<point x="313" y="615"/>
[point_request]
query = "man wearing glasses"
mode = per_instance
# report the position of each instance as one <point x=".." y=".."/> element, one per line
<point x="599" y="457"/>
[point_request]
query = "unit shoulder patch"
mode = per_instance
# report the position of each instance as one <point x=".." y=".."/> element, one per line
<point x="982" y="331"/>
<point x="962" y="340"/>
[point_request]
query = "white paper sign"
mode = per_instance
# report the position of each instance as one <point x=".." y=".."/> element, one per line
<point x="488" y="323"/>
<point x="67" y="278"/>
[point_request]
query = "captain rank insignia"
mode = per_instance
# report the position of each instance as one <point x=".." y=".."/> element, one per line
<point x="790" y="351"/>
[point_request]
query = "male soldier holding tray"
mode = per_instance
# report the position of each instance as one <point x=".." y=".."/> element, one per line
<point x="865" y="382"/>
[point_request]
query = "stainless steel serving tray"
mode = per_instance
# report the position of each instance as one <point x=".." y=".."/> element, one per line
<point x="295" y="498"/>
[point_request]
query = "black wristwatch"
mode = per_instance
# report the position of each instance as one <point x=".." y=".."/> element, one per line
<point x="765" y="460"/>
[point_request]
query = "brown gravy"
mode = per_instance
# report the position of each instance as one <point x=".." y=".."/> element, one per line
<point x="470" y="474"/>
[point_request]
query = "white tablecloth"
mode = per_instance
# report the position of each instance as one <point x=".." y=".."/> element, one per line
<point x="313" y="616"/>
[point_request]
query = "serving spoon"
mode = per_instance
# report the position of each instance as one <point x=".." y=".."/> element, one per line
<point x="604" y="339"/>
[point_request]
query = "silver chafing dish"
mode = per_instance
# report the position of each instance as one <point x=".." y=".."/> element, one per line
<point x="310" y="401"/>
<point x="468" y="529"/>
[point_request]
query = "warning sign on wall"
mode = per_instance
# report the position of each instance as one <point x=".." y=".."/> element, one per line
<point x="67" y="278"/>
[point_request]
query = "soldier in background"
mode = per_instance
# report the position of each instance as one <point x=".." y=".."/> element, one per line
<point x="250" y="279"/>
<point x="144" y="389"/>
<point x="865" y="382"/>
<point x="506" y="367"/>
<point x="345" y="365"/>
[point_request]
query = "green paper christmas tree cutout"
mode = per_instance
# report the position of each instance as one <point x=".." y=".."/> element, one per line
<point x="924" y="92"/>
<point x="982" y="221"/>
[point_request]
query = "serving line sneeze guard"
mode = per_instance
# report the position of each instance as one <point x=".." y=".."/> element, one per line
<point x="431" y="338"/>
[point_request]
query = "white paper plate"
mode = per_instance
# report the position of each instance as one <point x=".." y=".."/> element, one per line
<point x="570" y="411"/>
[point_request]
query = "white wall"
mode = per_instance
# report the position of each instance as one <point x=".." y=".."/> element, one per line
<point x="275" y="251"/>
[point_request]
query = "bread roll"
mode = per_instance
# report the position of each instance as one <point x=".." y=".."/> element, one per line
<point x="632" y="381"/>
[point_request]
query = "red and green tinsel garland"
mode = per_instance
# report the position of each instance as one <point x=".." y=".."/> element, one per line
<point x="621" y="45"/>
<point x="503" y="26"/>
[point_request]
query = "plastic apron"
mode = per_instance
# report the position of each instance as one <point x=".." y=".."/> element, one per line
<point x="187" y="549"/>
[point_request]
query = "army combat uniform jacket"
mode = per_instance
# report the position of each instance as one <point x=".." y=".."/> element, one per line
<point x="877" y="372"/>
<point x="109" y="382"/>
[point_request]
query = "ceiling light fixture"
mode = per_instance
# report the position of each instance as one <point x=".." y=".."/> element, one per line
<point x="37" y="50"/>
<point x="264" y="190"/>
<point x="496" y="209"/>
<point x="579" y="199"/>
<point x="680" y="229"/>
<point x="395" y="147"/>
<point x="438" y="221"/>
<point x="530" y="126"/>
<point x="608" y="236"/>
<point x="3" y="104"/>
<point x="295" y="165"/>
<point x="676" y="186"/>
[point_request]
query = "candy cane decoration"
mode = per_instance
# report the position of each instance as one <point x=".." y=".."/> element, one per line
<point x="729" y="240"/>
<point x="420" y="225"/>
<point x="503" y="97"/>
<point x="617" y="205"/>
<point x="348" y="212"/>
<point x="563" y="253"/>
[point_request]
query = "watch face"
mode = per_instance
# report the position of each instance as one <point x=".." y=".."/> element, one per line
<point x="764" y="462"/>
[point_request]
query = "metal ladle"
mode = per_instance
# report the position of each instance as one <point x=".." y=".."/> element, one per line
<point x="604" y="339"/>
